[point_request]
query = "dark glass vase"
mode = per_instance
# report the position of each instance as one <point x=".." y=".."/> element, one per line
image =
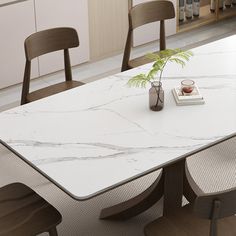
<point x="156" y="97"/>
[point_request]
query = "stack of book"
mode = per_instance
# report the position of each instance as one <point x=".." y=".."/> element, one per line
<point x="182" y="99"/>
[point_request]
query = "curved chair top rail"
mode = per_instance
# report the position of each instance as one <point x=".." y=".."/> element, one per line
<point x="149" y="12"/>
<point x="50" y="40"/>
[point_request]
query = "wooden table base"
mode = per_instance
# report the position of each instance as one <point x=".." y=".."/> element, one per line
<point x="136" y="205"/>
<point x="169" y="183"/>
<point x="173" y="186"/>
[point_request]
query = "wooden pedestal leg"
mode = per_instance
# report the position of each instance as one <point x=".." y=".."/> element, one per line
<point x="136" y="205"/>
<point x="173" y="186"/>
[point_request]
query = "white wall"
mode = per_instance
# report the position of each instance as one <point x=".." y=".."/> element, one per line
<point x="63" y="13"/>
<point x="18" y="21"/>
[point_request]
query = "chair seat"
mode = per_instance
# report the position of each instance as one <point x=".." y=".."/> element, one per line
<point x="139" y="61"/>
<point x="52" y="89"/>
<point x="185" y="223"/>
<point x="213" y="169"/>
<point x="24" y="212"/>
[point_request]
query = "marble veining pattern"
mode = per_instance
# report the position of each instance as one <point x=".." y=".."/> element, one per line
<point x="90" y="138"/>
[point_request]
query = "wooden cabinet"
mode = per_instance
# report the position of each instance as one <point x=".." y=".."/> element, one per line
<point x="106" y="21"/>
<point x="16" y="23"/>
<point x="108" y="27"/>
<point x="227" y="11"/>
<point x="149" y="32"/>
<point x="63" y="13"/>
<point x="206" y="16"/>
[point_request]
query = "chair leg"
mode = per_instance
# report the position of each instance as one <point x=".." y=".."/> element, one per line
<point x="53" y="232"/>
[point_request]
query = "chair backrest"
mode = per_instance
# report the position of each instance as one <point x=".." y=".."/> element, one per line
<point x="149" y="12"/>
<point x="145" y="13"/>
<point x="50" y="40"/>
<point x="216" y="205"/>
<point x="44" y="42"/>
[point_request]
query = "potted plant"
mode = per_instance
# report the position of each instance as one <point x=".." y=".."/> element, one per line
<point x="156" y="93"/>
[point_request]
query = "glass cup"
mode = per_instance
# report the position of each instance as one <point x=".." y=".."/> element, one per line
<point x="187" y="86"/>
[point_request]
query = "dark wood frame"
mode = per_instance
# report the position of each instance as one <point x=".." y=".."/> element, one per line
<point x="44" y="42"/>
<point x="33" y="214"/>
<point x="142" y="14"/>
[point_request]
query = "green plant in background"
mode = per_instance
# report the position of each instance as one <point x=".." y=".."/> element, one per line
<point x="160" y="61"/>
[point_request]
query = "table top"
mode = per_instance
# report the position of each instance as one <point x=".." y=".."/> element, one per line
<point x="92" y="138"/>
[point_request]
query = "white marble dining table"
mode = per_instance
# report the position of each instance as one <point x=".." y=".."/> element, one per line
<point x="101" y="135"/>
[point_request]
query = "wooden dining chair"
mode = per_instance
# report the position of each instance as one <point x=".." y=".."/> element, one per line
<point x="44" y="42"/>
<point x="210" y="214"/>
<point x="142" y="14"/>
<point x="24" y="213"/>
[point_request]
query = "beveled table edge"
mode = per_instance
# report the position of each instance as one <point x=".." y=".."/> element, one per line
<point x="100" y="192"/>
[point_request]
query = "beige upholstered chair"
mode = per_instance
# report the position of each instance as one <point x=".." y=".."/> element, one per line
<point x="44" y="42"/>
<point x="142" y="14"/>
<point x="210" y="187"/>
<point x="210" y="214"/>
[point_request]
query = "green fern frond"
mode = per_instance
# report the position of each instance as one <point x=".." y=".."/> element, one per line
<point x="138" y="81"/>
<point x="177" y="61"/>
<point x="153" y="56"/>
<point x="160" y="59"/>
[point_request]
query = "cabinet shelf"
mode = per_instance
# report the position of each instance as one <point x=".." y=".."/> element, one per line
<point x="205" y="17"/>
<point x="227" y="12"/>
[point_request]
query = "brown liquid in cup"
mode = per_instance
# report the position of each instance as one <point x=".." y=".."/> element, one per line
<point x="187" y="89"/>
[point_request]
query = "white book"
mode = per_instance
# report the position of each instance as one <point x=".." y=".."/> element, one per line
<point x="195" y="95"/>
<point x="183" y="102"/>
